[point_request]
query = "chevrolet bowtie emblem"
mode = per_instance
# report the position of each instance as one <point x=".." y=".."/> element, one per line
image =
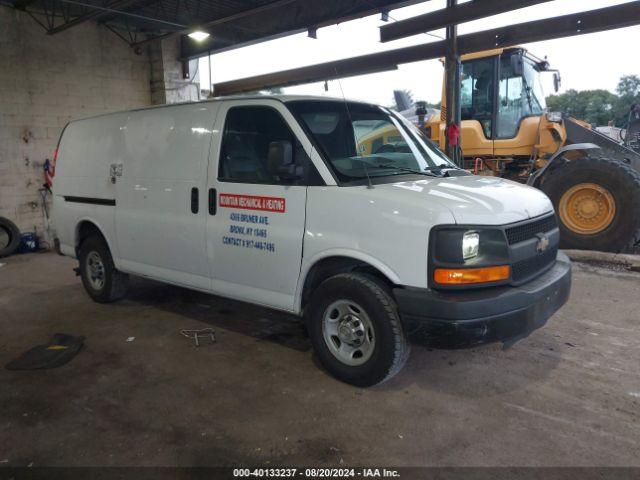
<point x="543" y="243"/>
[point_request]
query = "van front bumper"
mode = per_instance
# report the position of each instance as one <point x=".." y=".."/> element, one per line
<point x="507" y="314"/>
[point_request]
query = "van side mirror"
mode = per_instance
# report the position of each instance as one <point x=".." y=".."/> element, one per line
<point x="557" y="81"/>
<point x="517" y="65"/>
<point x="280" y="161"/>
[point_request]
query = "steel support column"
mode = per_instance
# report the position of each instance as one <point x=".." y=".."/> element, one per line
<point x="452" y="83"/>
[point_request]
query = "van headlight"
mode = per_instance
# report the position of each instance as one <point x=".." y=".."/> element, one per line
<point x="463" y="255"/>
<point x="470" y="245"/>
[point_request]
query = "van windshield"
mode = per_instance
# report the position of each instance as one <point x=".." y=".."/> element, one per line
<point x="361" y="140"/>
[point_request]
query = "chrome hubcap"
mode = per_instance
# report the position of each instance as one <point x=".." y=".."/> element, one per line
<point x="348" y="332"/>
<point x="95" y="270"/>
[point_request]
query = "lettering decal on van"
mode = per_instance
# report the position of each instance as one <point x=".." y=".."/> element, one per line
<point x="252" y="202"/>
<point x="250" y="232"/>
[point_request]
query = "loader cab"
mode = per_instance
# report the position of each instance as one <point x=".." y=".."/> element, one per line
<point x="501" y="101"/>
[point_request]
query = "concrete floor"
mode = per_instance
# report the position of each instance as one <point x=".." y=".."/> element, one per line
<point x="567" y="395"/>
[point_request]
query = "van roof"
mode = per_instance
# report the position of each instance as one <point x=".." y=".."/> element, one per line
<point x="284" y="98"/>
<point x="281" y="98"/>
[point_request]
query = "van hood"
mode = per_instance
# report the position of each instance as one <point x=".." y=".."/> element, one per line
<point x="476" y="199"/>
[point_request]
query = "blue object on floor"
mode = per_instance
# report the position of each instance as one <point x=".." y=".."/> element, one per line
<point x="29" y="243"/>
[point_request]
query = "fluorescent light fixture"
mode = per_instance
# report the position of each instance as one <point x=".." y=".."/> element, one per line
<point x="198" y="35"/>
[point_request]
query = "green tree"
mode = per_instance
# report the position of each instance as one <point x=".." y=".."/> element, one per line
<point x="593" y="106"/>
<point x="599" y="107"/>
<point x="628" y="90"/>
<point x="629" y="86"/>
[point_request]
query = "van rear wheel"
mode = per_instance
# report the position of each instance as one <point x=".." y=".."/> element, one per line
<point x="355" y="329"/>
<point x="100" y="278"/>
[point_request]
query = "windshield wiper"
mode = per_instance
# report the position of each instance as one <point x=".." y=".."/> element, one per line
<point x="439" y="168"/>
<point x="406" y="169"/>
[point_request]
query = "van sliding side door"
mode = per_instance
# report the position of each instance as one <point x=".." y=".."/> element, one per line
<point x="161" y="195"/>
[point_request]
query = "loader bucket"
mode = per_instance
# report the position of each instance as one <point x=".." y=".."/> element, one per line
<point x="577" y="132"/>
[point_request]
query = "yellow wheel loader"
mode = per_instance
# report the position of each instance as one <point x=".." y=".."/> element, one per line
<point x="506" y="131"/>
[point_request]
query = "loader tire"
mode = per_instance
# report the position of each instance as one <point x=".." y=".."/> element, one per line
<point x="9" y="237"/>
<point x="597" y="201"/>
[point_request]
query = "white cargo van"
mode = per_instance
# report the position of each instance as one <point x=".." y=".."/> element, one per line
<point x="340" y="212"/>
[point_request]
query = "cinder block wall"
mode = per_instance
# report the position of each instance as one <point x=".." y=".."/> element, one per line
<point x="45" y="81"/>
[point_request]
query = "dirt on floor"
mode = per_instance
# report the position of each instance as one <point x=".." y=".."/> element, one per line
<point x="142" y="394"/>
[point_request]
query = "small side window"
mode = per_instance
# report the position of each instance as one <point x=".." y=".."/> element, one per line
<point x="249" y="133"/>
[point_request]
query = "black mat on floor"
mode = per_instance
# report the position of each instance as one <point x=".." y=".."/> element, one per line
<point x="60" y="350"/>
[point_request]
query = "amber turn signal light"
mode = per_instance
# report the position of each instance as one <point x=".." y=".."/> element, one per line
<point x="464" y="276"/>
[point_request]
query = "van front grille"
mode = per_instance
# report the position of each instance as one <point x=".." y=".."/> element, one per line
<point x="525" y="231"/>
<point x="531" y="267"/>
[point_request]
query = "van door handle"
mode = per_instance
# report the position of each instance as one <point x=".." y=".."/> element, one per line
<point x="212" y="201"/>
<point x="195" y="202"/>
<point x="115" y="170"/>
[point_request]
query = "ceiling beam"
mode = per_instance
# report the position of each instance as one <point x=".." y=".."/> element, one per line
<point x="246" y="13"/>
<point x="98" y="11"/>
<point x="592" y="21"/>
<point x="349" y="67"/>
<point x="607" y="18"/>
<point x="221" y="21"/>
<point x="448" y="17"/>
<point x="92" y="15"/>
<point x="288" y="17"/>
<point x="18" y="5"/>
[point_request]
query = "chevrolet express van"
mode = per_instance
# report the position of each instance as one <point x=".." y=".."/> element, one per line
<point x="341" y="212"/>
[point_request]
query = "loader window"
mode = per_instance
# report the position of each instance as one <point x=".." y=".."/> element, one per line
<point x="520" y="96"/>
<point x="510" y="108"/>
<point x="476" y="95"/>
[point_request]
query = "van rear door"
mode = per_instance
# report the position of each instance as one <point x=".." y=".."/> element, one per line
<point x="256" y="219"/>
<point x="161" y="195"/>
<point x="83" y="189"/>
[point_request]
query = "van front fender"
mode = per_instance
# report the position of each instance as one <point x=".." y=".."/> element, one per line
<point x="359" y="256"/>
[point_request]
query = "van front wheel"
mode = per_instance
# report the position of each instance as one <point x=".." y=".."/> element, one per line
<point x="99" y="276"/>
<point x="355" y="329"/>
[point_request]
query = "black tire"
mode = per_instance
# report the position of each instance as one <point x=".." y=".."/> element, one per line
<point x="390" y="348"/>
<point x="9" y="237"/>
<point x="623" y="233"/>
<point x="114" y="284"/>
